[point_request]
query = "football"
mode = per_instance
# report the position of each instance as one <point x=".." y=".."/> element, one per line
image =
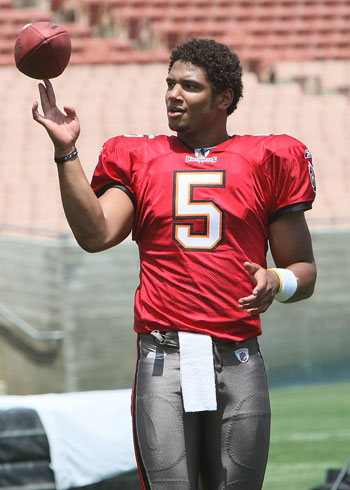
<point x="42" y="50"/>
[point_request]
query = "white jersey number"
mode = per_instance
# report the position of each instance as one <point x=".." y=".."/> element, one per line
<point x="187" y="210"/>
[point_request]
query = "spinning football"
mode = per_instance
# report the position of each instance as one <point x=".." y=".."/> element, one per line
<point x="42" y="50"/>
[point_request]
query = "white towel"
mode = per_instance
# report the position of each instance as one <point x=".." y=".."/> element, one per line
<point x="197" y="374"/>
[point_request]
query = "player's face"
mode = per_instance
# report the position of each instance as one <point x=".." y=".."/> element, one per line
<point x="190" y="103"/>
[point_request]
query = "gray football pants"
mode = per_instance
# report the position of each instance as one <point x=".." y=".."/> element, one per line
<point x="213" y="450"/>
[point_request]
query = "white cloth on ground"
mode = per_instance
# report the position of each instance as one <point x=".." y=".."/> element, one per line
<point x="89" y="433"/>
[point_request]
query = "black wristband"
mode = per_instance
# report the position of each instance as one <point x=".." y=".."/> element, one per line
<point x="70" y="156"/>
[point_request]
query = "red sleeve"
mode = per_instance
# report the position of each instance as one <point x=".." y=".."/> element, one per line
<point x="113" y="169"/>
<point x="293" y="180"/>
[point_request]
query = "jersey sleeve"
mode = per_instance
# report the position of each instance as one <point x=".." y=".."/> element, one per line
<point x="113" y="169"/>
<point x="293" y="180"/>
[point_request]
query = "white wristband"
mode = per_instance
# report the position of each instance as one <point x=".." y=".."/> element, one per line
<point x="288" y="284"/>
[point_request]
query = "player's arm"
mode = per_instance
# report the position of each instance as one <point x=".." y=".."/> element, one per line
<point x="97" y="224"/>
<point x="291" y="249"/>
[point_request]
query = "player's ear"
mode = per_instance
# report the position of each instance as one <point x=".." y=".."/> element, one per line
<point x="225" y="98"/>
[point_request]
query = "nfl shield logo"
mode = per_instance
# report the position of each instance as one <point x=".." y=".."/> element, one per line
<point x="307" y="154"/>
<point x="242" y="355"/>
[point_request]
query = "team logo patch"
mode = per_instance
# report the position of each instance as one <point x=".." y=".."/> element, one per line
<point x="200" y="159"/>
<point x="312" y="177"/>
<point x="242" y="355"/>
<point x="307" y="154"/>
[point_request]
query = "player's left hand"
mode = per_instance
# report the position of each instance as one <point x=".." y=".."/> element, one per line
<point x="63" y="129"/>
<point x="266" y="284"/>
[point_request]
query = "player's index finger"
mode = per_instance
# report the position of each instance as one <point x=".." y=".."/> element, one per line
<point x="50" y="93"/>
<point x="45" y="104"/>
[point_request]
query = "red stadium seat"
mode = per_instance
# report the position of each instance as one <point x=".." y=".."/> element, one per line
<point x="6" y="47"/>
<point x="20" y="17"/>
<point x="294" y="29"/>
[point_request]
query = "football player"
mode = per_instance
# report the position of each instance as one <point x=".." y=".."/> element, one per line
<point x="202" y="205"/>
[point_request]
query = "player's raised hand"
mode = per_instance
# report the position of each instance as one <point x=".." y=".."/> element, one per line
<point x="265" y="283"/>
<point x="63" y="129"/>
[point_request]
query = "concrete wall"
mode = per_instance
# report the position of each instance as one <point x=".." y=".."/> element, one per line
<point x="309" y="341"/>
<point x="54" y="285"/>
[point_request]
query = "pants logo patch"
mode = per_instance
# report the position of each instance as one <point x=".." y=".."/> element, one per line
<point x="156" y="355"/>
<point x="242" y="355"/>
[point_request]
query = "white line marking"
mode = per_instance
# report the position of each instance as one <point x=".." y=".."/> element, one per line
<point x="337" y="435"/>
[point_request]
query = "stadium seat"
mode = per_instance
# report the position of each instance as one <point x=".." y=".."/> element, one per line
<point x="265" y="108"/>
<point x="294" y="31"/>
<point x="78" y="31"/>
<point x="306" y="45"/>
<point x="20" y="17"/>
<point x="6" y="46"/>
<point x="56" y="5"/>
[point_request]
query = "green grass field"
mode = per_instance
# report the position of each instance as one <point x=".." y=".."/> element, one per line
<point x="310" y="433"/>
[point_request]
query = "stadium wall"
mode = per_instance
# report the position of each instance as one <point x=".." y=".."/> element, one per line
<point x="55" y="286"/>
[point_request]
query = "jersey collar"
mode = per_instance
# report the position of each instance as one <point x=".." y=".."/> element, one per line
<point x="204" y="152"/>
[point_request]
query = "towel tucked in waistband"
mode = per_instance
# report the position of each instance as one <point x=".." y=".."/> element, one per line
<point x="197" y="375"/>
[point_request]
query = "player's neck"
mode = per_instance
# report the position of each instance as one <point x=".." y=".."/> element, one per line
<point x="197" y="143"/>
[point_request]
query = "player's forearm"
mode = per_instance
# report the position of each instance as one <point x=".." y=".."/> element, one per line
<point x="81" y="206"/>
<point x="306" y="274"/>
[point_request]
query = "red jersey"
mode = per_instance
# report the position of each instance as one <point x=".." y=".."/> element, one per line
<point x="199" y="218"/>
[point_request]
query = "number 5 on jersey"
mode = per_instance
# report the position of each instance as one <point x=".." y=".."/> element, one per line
<point x="187" y="209"/>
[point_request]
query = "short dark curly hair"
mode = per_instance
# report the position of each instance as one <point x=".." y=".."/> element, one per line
<point x="222" y="66"/>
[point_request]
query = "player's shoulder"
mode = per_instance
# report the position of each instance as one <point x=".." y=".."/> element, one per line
<point x="263" y="145"/>
<point x="134" y="142"/>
